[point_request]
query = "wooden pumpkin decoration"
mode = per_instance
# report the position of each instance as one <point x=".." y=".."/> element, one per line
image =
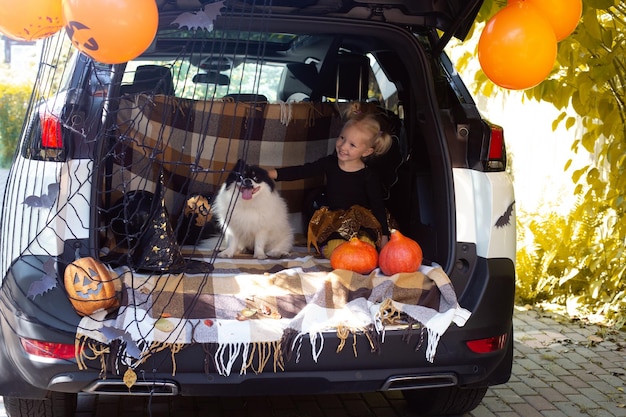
<point x="355" y="255"/>
<point x="90" y="286"/>
<point x="401" y="254"/>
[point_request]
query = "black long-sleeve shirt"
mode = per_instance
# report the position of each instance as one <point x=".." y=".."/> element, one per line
<point x="343" y="189"/>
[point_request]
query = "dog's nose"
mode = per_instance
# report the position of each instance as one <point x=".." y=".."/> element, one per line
<point x="247" y="183"/>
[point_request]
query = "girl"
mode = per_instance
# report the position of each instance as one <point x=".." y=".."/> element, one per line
<point x="354" y="204"/>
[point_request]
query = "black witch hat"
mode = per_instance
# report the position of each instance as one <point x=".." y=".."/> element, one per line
<point x="158" y="248"/>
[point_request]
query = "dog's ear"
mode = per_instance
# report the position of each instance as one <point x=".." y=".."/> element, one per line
<point x="240" y="166"/>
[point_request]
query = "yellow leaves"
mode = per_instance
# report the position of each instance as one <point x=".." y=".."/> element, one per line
<point x="558" y="120"/>
<point x="580" y="255"/>
<point x="569" y="121"/>
<point x="13" y="103"/>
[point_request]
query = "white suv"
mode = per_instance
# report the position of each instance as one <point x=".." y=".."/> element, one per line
<point x="111" y="152"/>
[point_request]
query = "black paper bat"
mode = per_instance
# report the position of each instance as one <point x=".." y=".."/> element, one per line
<point x="47" y="282"/>
<point x="505" y="219"/>
<point x="111" y="333"/>
<point x="45" y="200"/>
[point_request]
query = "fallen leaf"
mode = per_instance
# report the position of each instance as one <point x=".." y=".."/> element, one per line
<point x="164" y="325"/>
<point x="130" y="377"/>
<point x="248" y="312"/>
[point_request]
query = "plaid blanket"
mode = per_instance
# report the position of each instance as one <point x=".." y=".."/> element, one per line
<point x="197" y="143"/>
<point x="263" y="309"/>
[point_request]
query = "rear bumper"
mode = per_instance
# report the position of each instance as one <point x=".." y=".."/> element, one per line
<point x="400" y="364"/>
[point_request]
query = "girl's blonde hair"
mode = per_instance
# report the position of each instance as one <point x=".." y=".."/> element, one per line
<point x="381" y="140"/>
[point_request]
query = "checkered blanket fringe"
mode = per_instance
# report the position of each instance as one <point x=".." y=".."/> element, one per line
<point x="260" y="318"/>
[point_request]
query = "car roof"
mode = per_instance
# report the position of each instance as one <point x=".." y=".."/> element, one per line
<point x="454" y="18"/>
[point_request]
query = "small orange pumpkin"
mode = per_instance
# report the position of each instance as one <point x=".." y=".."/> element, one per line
<point x="355" y="255"/>
<point x="401" y="254"/>
<point x="90" y="286"/>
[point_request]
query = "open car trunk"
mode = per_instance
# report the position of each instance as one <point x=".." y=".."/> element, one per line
<point x="185" y="112"/>
<point x="182" y="115"/>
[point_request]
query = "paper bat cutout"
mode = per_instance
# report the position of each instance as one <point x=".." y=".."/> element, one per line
<point x="505" y="219"/>
<point x="47" y="282"/>
<point x="111" y="333"/>
<point x="45" y="200"/>
<point x="202" y="19"/>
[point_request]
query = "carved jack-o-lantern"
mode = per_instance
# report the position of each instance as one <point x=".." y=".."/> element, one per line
<point x="90" y="286"/>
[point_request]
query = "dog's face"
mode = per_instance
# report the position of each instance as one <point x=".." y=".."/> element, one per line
<point x="249" y="179"/>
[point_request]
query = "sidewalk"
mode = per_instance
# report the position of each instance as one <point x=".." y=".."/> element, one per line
<point x="562" y="368"/>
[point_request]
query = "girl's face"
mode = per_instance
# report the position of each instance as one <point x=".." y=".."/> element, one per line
<point x="353" y="144"/>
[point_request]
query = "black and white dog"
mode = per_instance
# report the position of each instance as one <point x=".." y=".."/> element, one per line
<point x="252" y="214"/>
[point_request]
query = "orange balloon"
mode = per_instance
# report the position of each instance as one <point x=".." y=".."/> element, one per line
<point x="111" y="31"/>
<point x="517" y="48"/>
<point x="29" y="20"/>
<point x="563" y="15"/>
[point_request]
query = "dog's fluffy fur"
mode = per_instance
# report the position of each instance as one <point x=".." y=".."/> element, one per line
<point x="252" y="214"/>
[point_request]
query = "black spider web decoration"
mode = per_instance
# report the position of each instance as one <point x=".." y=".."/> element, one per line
<point x="122" y="184"/>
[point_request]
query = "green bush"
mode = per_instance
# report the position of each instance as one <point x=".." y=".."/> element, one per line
<point x="13" y="105"/>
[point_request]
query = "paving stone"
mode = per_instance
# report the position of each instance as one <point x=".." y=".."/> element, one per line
<point x="482" y="411"/>
<point x="614" y="408"/>
<point x="526" y="410"/>
<point x="551" y="394"/>
<point x="594" y="394"/>
<point x="584" y="402"/>
<point x="521" y="388"/>
<point x="554" y="413"/>
<point x="539" y="403"/>
<point x="534" y="382"/>
<point x="508" y="395"/>
<point x="564" y="388"/>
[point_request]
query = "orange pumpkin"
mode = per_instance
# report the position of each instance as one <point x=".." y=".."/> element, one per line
<point x="401" y="254"/>
<point x="355" y="255"/>
<point x="90" y="286"/>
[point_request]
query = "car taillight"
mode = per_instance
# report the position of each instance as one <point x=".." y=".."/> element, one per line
<point x="49" y="350"/>
<point x="51" y="132"/>
<point x="488" y="345"/>
<point x="496" y="159"/>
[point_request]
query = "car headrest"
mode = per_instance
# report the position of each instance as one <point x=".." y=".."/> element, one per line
<point x="154" y="79"/>
<point x="347" y="79"/>
<point x="297" y="79"/>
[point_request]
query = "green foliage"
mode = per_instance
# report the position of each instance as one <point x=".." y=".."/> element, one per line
<point x="13" y="104"/>
<point x="580" y="258"/>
